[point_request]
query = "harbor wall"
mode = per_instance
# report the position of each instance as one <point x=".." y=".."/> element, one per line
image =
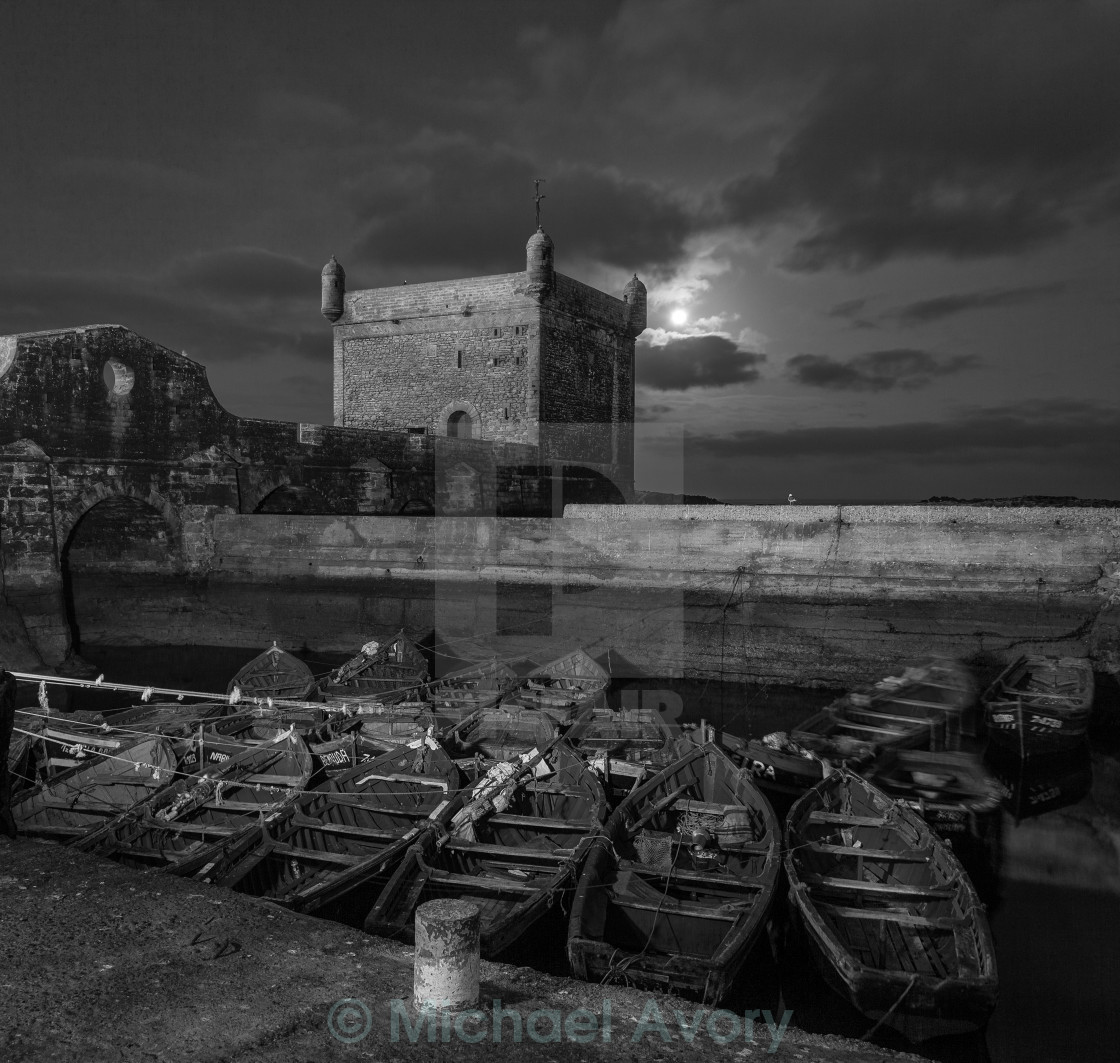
<point x="810" y="595"/>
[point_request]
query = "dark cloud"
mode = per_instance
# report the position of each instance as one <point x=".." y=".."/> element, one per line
<point x="852" y="312"/>
<point x="1054" y="433"/>
<point x="951" y="129"/>
<point x="927" y="310"/>
<point x="695" y="362"/>
<point x="452" y="206"/>
<point x="235" y="274"/>
<point x="210" y="325"/>
<point x="903" y="367"/>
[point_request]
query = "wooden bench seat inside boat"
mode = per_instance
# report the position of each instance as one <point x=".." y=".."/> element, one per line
<point x="691" y="877"/>
<point x="482" y="849"/>
<point x="484" y="882"/>
<point x="504" y="819"/>
<point x="891" y="915"/>
<point x="672" y="906"/>
<point x="892" y="889"/>
<point x="283" y="849"/>
<point x="847" y="819"/>
<point x="345" y="829"/>
<point x="900" y="856"/>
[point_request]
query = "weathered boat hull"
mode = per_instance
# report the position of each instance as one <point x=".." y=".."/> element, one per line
<point x="642" y="917"/>
<point x="386" y="672"/>
<point x="952" y="792"/>
<point x="563" y="688"/>
<point x="514" y="864"/>
<point x="1040" y="705"/>
<point x="84" y="798"/>
<point x="255" y="780"/>
<point x="275" y="674"/>
<point x="893" y="922"/>
<point x="333" y="849"/>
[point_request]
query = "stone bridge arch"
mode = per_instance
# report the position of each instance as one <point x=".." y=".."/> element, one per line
<point x="68" y="515"/>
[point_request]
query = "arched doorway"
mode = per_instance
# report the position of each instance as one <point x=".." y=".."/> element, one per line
<point x="293" y="499"/>
<point x="460" y="426"/>
<point x="119" y="564"/>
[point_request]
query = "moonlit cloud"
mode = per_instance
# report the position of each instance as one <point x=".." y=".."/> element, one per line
<point x="683" y="362"/>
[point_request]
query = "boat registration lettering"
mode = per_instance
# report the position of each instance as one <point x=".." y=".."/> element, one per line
<point x="1002" y="717"/>
<point x="1046" y="722"/>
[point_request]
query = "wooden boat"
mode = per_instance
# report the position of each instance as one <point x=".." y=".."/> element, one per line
<point x="859" y="726"/>
<point x="781" y="766"/>
<point x="500" y="734"/>
<point x="952" y="792"/>
<point x="387" y="672"/>
<point x="929" y="684"/>
<point x="563" y="687"/>
<point x="1040" y="704"/>
<point x="275" y="674"/>
<point x="626" y="746"/>
<point x="893" y="922"/>
<point x="516" y="841"/>
<point x="76" y="738"/>
<point x="173" y="720"/>
<point x="1042" y="784"/>
<point x="479" y="686"/>
<point x="90" y="794"/>
<point x="228" y="797"/>
<point x="677" y="890"/>
<point x="333" y="849"/>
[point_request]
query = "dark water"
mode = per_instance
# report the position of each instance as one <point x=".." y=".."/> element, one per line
<point x="1057" y="936"/>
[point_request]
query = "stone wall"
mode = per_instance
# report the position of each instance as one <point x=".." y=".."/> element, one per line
<point x="98" y="414"/>
<point x="410" y="356"/>
<point x="807" y="595"/>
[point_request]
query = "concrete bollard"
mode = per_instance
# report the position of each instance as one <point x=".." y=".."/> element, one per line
<point x="445" y="974"/>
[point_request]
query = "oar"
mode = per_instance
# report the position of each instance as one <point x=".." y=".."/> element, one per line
<point x="660" y="806"/>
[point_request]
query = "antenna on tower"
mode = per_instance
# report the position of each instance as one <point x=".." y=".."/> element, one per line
<point x="538" y="196"/>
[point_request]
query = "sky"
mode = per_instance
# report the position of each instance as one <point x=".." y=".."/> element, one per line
<point x="881" y="239"/>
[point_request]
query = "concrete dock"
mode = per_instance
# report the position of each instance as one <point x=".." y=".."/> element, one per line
<point x="103" y="963"/>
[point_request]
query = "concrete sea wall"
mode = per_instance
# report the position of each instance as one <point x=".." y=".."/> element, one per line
<point x="799" y="594"/>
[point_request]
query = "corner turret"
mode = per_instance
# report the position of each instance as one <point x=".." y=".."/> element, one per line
<point x="538" y="260"/>
<point x="334" y="289"/>
<point x="634" y="296"/>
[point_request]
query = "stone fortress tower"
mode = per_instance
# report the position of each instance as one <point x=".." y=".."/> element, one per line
<point x="532" y="357"/>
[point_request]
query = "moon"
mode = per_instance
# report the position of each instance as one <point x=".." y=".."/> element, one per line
<point x="679" y="316"/>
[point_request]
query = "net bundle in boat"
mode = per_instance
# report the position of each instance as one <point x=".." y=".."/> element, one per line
<point x="654" y="849"/>
<point x="691" y="822"/>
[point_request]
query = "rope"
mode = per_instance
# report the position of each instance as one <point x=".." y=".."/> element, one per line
<point x="890" y="1011"/>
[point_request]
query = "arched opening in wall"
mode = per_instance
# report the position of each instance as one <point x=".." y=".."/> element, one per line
<point x="121" y="569"/>
<point x="587" y="485"/>
<point x="417" y="507"/>
<point x="290" y="499"/>
<point x="460" y="426"/>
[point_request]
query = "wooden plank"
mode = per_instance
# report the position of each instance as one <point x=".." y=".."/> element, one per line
<point x="881" y="888"/>
<point x="846" y="818"/>
<point x="349" y="831"/>
<point x="904" y="856"/>
<point x="315" y="854"/>
<point x="906" y="919"/>
<point x="671" y="907"/>
<point x="694" y="877"/>
<point x="521" y="854"/>
<point x="483" y="882"/>
<point x="503" y="819"/>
